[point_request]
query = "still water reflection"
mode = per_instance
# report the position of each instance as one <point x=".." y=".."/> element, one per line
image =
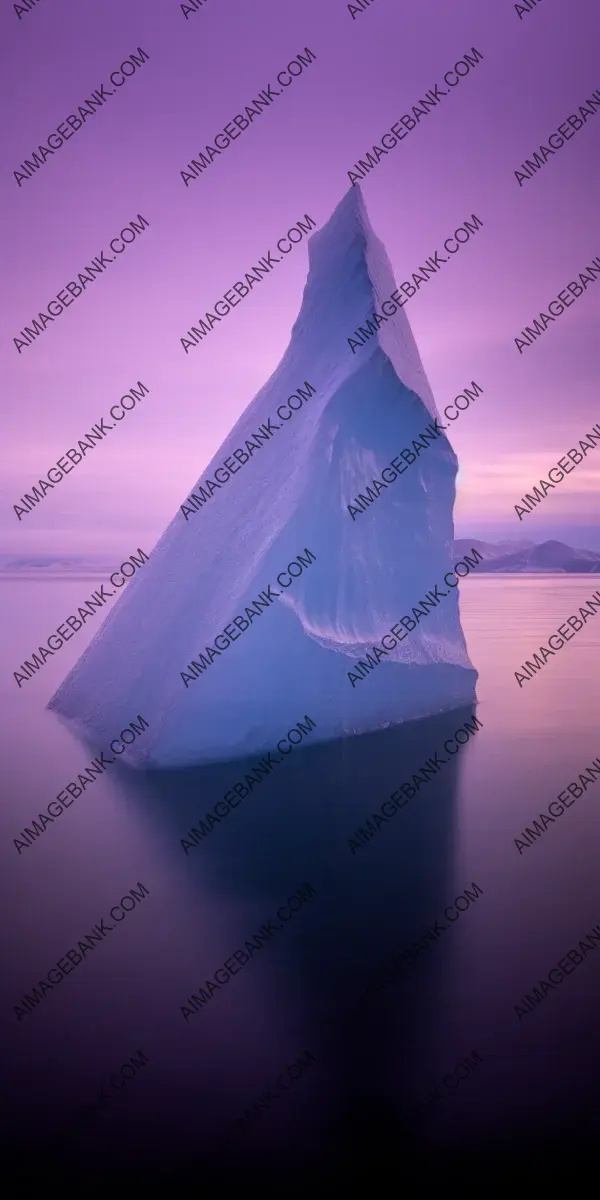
<point x="374" y="1072"/>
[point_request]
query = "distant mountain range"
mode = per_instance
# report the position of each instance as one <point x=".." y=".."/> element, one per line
<point x="550" y="558"/>
<point x="59" y="564"/>
<point x="507" y="558"/>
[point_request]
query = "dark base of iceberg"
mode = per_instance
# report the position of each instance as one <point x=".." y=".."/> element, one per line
<point x="263" y="686"/>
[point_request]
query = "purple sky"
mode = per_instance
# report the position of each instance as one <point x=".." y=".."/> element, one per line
<point x="293" y="161"/>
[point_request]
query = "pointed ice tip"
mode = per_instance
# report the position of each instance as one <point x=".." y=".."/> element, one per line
<point x="351" y="209"/>
<point x="347" y="227"/>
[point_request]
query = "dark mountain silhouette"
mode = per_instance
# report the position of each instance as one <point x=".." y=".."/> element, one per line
<point x="550" y="557"/>
<point x="491" y="549"/>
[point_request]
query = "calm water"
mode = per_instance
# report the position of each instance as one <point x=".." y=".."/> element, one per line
<point x="372" y="1076"/>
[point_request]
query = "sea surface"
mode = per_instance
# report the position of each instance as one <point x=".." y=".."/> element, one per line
<point x="384" y="1071"/>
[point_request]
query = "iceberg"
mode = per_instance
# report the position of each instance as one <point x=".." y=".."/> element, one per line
<point x="164" y="651"/>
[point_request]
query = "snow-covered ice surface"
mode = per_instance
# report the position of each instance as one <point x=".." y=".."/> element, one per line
<point x="292" y="495"/>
